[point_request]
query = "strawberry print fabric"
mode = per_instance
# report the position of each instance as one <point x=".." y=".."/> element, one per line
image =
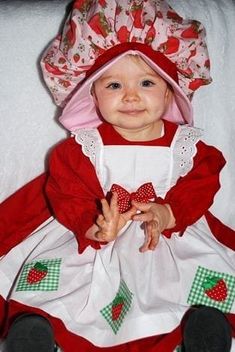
<point x="31" y="280"/>
<point x="214" y="289"/>
<point x="95" y="27"/>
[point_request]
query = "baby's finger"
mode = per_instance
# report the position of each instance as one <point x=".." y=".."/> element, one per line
<point x="147" y="241"/>
<point x="128" y="215"/>
<point x="114" y="203"/>
<point x="106" y="209"/>
<point x="100" y="236"/>
<point x="154" y="235"/>
<point x="145" y="217"/>
<point x="100" y="220"/>
<point x="141" y="206"/>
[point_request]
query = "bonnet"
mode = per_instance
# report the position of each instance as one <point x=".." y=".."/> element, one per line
<point x="97" y="33"/>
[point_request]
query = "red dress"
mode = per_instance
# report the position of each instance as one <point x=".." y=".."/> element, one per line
<point x="73" y="189"/>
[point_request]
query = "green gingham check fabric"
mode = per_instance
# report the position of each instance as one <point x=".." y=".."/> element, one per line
<point x="197" y="295"/>
<point x="48" y="283"/>
<point x="127" y="295"/>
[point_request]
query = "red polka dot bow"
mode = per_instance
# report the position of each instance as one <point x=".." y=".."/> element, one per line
<point x="144" y="194"/>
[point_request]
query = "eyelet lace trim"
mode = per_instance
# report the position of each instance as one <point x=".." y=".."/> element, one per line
<point x="185" y="149"/>
<point x="90" y="141"/>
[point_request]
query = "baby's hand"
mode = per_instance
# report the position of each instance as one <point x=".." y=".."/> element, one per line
<point x="111" y="221"/>
<point x="156" y="218"/>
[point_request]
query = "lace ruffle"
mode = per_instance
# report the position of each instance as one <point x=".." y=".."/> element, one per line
<point x="185" y="149"/>
<point x="90" y="141"/>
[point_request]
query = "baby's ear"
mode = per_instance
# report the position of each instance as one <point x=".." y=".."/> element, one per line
<point x="168" y="96"/>
<point x="92" y="92"/>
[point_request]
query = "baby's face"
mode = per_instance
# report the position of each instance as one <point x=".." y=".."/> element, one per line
<point x="131" y="96"/>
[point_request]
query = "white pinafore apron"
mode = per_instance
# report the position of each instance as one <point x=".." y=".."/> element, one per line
<point x="117" y="294"/>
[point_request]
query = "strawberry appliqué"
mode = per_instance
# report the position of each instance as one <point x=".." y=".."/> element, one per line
<point x="117" y="307"/>
<point x="215" y="288"/>
<point x="37" y="273"/>
<point x="115" y="312"/>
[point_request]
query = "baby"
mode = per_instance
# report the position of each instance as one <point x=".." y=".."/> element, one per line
<point x="129" y="260"/>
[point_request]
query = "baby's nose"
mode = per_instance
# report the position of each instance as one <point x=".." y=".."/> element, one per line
<point x="131" y="94"/>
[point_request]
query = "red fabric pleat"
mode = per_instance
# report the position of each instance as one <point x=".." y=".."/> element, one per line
<point x="222" y="233"/>
<point x="22" y="213"/>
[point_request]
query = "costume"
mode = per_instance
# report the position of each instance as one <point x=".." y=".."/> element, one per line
<point x="93" y="294"/>
<point x="102" y="289"/>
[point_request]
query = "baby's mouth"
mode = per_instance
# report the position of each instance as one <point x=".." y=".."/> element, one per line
<point x="132" y="111"/>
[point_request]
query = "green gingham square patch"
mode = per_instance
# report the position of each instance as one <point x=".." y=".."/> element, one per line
<point x="115" y="311"/>
<point x="49" y="282"/>
<point x="212" y="288"/>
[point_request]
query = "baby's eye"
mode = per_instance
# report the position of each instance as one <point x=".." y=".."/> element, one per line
<point x="114" y="85"/>
<point x="147" y="83"/>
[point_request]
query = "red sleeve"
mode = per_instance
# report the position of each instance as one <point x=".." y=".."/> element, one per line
<point x="22" y="213"/>
<point x="193" y="194"/>
<point x="73" y="190"/>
